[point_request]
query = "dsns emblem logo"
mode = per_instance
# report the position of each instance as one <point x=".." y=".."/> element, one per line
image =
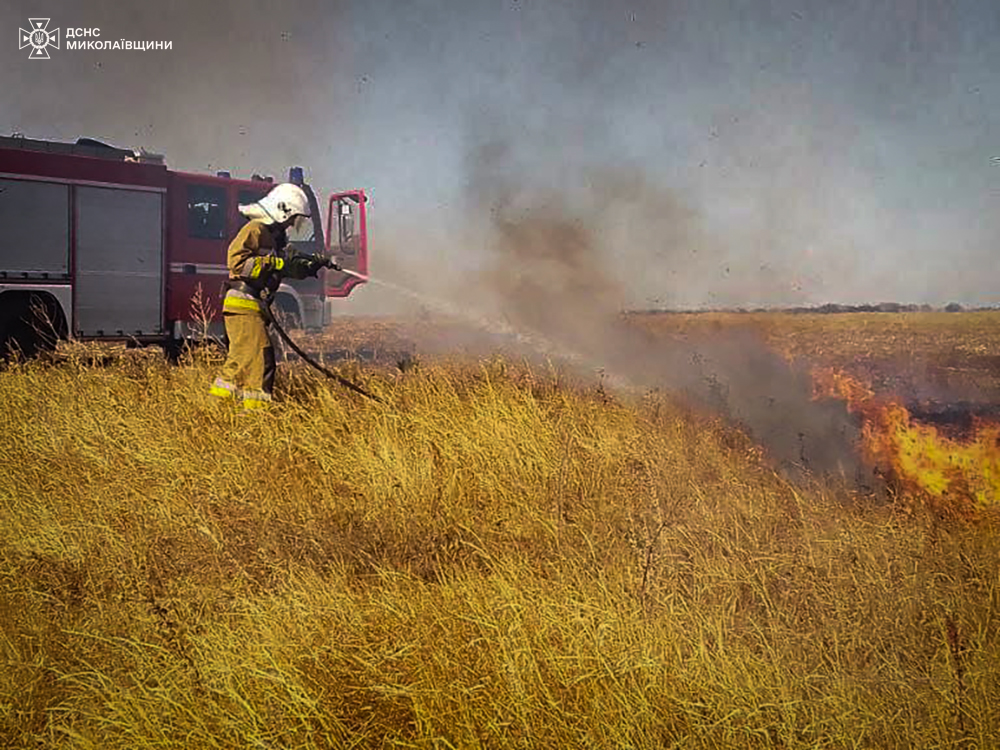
<point x="39" y="38"/>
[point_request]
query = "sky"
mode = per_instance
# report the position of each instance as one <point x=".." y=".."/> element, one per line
<point x="716" y="153"/>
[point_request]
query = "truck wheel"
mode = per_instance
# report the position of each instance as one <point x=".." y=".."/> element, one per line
<point x="290" y="320"/>
<point x="30" y="324"/>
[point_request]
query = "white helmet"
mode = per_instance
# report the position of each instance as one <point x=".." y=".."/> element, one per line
<point x="281" y="204"/>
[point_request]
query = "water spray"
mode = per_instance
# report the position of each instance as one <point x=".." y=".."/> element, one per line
<point x="529" y="338"/>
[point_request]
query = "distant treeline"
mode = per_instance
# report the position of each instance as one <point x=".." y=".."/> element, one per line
<point x="830" y="307"/>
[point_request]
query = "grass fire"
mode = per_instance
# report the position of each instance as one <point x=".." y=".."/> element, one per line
<point x="963" y="475"/>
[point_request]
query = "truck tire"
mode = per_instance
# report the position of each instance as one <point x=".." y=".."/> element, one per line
<point x="173" y="348"/>
<point x="287" y="314"/>
<point x="31" y="323"/>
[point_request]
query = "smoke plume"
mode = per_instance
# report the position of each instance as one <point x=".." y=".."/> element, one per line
<point x="553" y="273"/>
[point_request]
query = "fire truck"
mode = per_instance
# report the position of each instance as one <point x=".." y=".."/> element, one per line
<point x="108" y="244"/>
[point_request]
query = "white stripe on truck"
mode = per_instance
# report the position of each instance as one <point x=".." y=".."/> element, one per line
<point x="214" y="269"/>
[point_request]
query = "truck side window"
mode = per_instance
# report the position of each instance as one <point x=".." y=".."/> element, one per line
<point x="206" y="212"/>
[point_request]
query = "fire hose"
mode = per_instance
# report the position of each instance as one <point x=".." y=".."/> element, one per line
<point x="326" y="371"/>
<point x="272" y="320"/>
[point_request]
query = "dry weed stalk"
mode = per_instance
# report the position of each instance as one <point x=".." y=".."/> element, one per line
<point x="956" y="650"/>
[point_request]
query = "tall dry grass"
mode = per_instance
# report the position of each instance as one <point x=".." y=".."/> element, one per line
<point x="495" y="557"/>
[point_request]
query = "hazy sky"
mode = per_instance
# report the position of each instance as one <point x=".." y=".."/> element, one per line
<point x="725" y="153"/>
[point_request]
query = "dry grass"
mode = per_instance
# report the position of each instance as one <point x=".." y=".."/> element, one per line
<point x="493" y="558"/>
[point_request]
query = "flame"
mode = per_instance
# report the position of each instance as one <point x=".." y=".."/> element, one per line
<point x="961" y="475"/>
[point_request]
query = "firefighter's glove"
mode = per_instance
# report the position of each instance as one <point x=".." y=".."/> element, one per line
<point x="302" y="266"/>
<point x="316" y="264"/>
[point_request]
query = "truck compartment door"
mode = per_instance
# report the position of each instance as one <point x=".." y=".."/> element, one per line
<point x="35" y="220"/>
<point x="119" y="262"/>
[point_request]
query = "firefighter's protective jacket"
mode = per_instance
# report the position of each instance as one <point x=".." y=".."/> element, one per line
<point x="254" y="259"/>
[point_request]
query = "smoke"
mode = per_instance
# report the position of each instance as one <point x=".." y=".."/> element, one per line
<point x="558" y="268"/>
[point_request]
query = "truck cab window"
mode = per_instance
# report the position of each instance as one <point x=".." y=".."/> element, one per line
<point x="348" y="239"/>
<point x="206" y="212"/>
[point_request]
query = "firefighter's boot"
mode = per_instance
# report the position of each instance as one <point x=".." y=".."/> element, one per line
<point x="255" y="402"/>
<point x="223" y="389"/>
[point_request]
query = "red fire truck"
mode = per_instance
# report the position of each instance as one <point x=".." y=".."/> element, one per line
<point x="103" y="243"/>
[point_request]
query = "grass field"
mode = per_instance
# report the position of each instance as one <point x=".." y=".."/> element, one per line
<point x="495" y="557"/>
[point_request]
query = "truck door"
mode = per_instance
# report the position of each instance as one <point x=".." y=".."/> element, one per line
<point x="347" y="241"/>
<point x="119" y="262"/>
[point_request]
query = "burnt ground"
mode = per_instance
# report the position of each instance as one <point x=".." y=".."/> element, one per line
<point x="949" y="392"/>
<point x="944" y="367"/>
<point x="951" y="389"/>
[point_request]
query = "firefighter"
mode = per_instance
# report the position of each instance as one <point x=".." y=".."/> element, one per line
<point x="257" y="263"/>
